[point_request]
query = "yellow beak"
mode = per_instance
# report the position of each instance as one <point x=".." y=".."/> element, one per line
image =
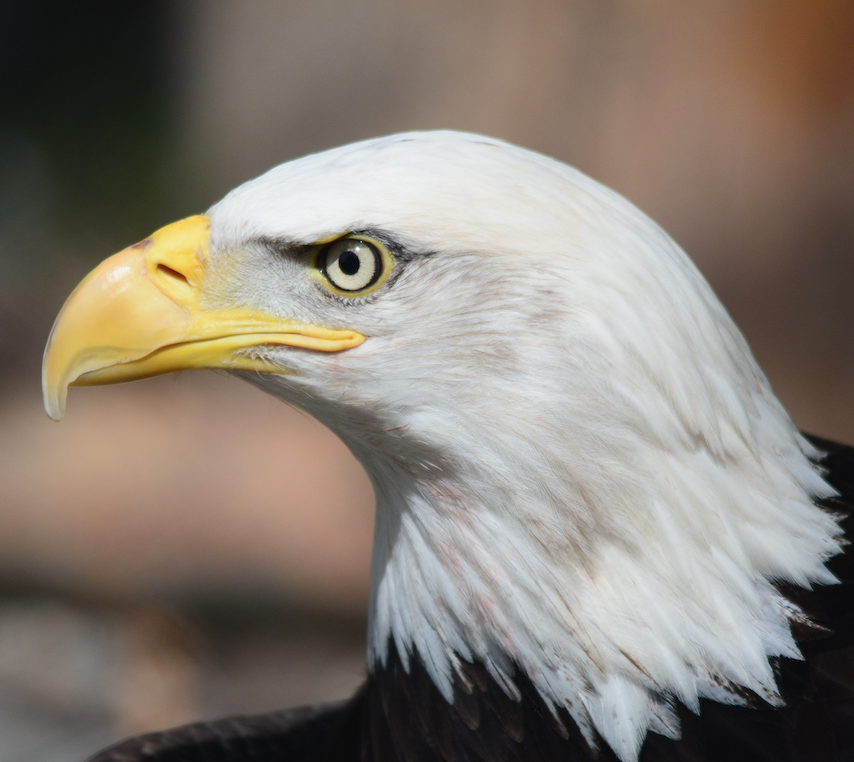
<point x="139" y="314"/>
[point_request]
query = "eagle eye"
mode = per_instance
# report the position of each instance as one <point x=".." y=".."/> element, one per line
<point x="351" y="264"/>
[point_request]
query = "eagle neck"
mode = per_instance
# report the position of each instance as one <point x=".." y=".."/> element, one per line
<point x="470" y="568"/>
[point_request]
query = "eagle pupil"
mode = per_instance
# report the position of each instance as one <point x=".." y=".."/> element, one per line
<point x="349" y="263"/>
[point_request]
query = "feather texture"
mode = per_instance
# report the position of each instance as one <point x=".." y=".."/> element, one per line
<point x="580" y="469"/>
<point x="590" y="503"/>
<point x="401" y="716"/>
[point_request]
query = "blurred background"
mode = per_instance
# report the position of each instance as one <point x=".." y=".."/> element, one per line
<point x="187" y="547"/>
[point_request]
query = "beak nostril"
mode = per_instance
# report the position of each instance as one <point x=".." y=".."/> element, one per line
<point x="173" y="274"/>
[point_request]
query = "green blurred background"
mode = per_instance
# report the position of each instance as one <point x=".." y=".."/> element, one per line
<point x="187" y="547"/>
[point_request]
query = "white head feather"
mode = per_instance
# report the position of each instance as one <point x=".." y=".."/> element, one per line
<point x="579" y="467"/>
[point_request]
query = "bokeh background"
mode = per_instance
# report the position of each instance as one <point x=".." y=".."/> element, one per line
<point x="186" y="547"/>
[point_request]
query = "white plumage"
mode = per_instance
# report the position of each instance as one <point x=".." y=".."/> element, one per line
<point x="578" y="465"/>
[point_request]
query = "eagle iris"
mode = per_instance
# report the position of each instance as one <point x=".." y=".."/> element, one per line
<point x="351" y="264"/>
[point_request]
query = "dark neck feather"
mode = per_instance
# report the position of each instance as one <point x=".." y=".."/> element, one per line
<point x="407" y="718"/>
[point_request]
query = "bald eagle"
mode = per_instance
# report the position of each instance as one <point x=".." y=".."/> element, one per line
<point x="598" y="533"/>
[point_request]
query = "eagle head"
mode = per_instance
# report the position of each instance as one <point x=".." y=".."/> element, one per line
<point x="581" y="473"/>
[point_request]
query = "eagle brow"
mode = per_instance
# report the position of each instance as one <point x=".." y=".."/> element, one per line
<point x="399" y="250"/>
<point x="285" y="247"/>
<point x="294" y="249"/>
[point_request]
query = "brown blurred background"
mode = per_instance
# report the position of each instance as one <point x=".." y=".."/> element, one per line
<point x="187" y="547"/>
